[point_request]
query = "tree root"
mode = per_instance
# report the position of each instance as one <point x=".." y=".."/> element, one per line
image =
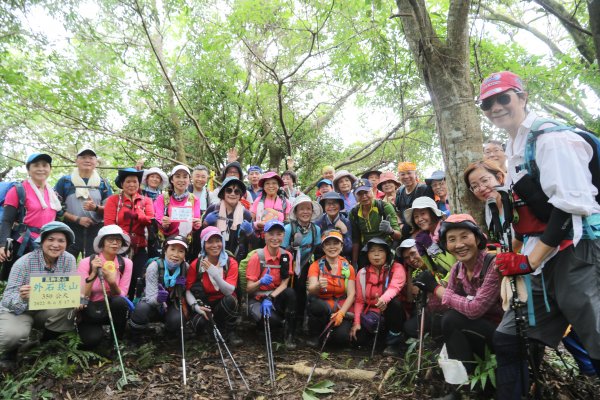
<point x="347" y="374"/>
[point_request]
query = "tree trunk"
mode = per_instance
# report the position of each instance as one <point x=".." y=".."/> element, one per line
<point x="594" y="13"/>
<point x="444" y="65"/>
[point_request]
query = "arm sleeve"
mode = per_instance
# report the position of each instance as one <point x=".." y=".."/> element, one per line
<point x="8" y="219"/>
<point x="396" y="284"/>
<point x="287" y="240"/>
<point x="151" y="290"/>
<point x="559" y="226"/>
<point x="227" y="285"/>
<point x="110" y="210"/>
<point x="359" y="303"/>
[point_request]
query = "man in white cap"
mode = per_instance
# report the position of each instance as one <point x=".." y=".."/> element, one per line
<point x="83" y="194"/>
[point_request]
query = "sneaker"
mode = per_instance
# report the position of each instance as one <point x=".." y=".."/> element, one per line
<point x="290" y="342"/>
<point x="234" y="339"/>
<point x="394" y="350"/>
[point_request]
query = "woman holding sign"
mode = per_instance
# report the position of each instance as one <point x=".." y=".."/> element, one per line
<point x="178" y="212"/>
<point x="116" y="273"/>
<point x="133" y="213"/>
<point x="16" y="316"/>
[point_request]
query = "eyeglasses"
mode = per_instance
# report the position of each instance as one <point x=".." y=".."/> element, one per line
<point x="489" y="152"/>
<point x="484" y="182"/>
<point x="235" y="191"/>
<point x="113" y="239"/>
<point x="438" y="184"/>
<point x="502" y="99"/>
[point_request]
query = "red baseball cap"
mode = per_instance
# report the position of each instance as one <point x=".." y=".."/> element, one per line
<point x="499" y="82"/>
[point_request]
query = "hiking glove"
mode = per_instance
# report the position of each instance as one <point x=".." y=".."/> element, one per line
<point x="266" y="307"/>
<point x="267" y="279"/>
<point x="386" y="227"/>
<point x="162" y="295"/>
<point x="338" y="318"/>
<point x="131" y="214"/>
<point x="427" y="279"/>
<point x="510" y="264"/>
<point x="211" y="219"/>
<point x="130" y="304"/>
<point x="246" y="228"/>
<point x="180" y="281"/>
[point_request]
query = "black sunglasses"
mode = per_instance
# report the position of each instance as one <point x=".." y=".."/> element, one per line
<point x="502" y="99"/>
<point x="229" y="190"/>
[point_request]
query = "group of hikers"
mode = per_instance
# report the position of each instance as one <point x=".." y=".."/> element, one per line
<point x="374" y="260"/>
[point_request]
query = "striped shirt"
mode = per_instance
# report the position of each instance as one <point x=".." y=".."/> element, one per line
<point x="31" y="263"/>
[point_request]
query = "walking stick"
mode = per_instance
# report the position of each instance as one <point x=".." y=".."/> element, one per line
<point x="327" y="331"/>
<point x="182" y="343"/>
<point x="112" y="326"/>
<point x="421" y="314"/>
<point x="269" y="344"/>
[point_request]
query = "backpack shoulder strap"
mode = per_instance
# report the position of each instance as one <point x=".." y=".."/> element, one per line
<point x="362" y="280"/>
<point x="121" y="264"/>
<point x="21" y="196"/>
<point x="166" y="201"/>
<point x="91" y="259"/>
<point x="487" y="261"/>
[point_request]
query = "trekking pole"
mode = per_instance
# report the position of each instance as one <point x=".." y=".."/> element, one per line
<point x="182" y="343"/>
<point x="269" y="344"/>
<point x="376" y="334"/>
<point x="387" y="280"/>
<point x="421" y="314"/>
<point x="112" y="325"/>
<point x="327" y="331"/>
<point x="221" y="342"/>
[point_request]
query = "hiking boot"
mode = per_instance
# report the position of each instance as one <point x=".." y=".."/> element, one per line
<point x="290" y="342"/>
<point x="234" y="339"/>
<point x="395" y="346"/>
<point x="313" y="342"/>
<point x="8" y="361"/>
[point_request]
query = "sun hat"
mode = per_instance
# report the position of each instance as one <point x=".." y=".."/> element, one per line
<point x="155" y="170"/>
<point x="462" y="221"/>
<point x="332" y="233"/>
<point x="236" y="165"/>
<point x="179" y="167"/>
<point x="111" y="230"/>
<point x="373" y="171"/>
<point x="421" y="203"/>
<point x="316" y="208"/>
<point x="499" y="82"/>
<point x="86" y="149"/>
<point x="124" y="173"/>
<point x="331" y="196"/>
<point x="387" y="176"/>
<point x="341" y="174"/>
<point x="435" y="176"/>
<point x="269" y="175"/>
<point x="231" y="180"/>
<point x="56" y="226"/>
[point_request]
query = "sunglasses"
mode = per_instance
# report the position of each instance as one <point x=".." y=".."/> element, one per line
<point x="235" y="191"/>
<point x="502" y="99"/>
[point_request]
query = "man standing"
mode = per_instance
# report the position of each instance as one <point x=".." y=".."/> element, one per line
<point x="253" y="190"/>
<point x="198" y="186"/>
<point x="409" y="192"/>
<point x="83" y="194"/>
<point x="370" y="218"/>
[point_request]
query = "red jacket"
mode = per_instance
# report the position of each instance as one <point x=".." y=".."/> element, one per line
<point x="119" y="210"/>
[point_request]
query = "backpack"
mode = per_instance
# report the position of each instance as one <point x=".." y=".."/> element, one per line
<point x="313" y="230"/>
<point x="325" y="269"/>
<point x="362" y="280"/>
<point x="4" y="188"/>
<point x="378" y="203"/>
<point x="140" y="285"/>
<point x="119" y="258"/>
<point x="531" y="166"/>
<point x="70" y="187"/>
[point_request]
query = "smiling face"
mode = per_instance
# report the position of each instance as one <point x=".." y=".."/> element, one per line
<point x="424" y="220"/>
<point x="270" y="186"/>
<point x="180" y="181"/>
<point x="86" y="163"/>
<point x="153" y="181"/>
<point x="332" y="208"/>
<point x="462" y="243"/>
<point x="508" y="116"/>
<point x="329" y="173"/>
<point x="304" y="212"/>
<point x="494" y="152"/>
<point x="199" y="179"/>
<point x="213" y="246"/>
<point x="439" y="188"/>
<point x="131" y="185"/>
<point x="377" y="255"/>
<point x="232" y="194"/>
<point x="482" y="183"/>
<point x="332" y="247"/>
<point x="364" y="197"/>
<point x="389" y="188"/>
<point x="344" y="184"/>
<point x="412" y="258"/>
<point x="325" y="188"/>
<point x="54" y="245"/>
<point x="274" y="237"/>
<point x="408" y="178"/>
<point x="39" y="171"/>
<point x="175" y="253"/>
<point x="374" y="178"/>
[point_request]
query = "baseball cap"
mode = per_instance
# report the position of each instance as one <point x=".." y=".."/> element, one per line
<point x="177" y="239"/>
<point x="86" y="150"/>
<point x="271" y="224"/>
<point x="332" y="233"/>
<point x="499" y="82"/>
<point x="35" y="157"/>
<point x="324" y="182"/>
<point x="361" y="185"/>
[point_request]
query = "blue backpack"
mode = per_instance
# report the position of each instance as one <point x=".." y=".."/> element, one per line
<point x="531" y="166"/>
<point x="4" y="188"/>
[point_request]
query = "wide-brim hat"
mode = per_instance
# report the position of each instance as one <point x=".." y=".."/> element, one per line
<point x="160" y="172"/>
<point x="373" y="171"/>
<point x="124" y="173"/>
<point x="109" y="230"/>
<point x="435" y="176"/>
<point x="230" y="180"/>
<point x="269" y="175"/>
<point x="316" y="208"/>
<point x="379" y="241"/>
<point x="341" y="174"/>
<point x="331" y="196"/>
<point x="235" y="165"/>
<point x="387" y="177"/>
<point x="421" y="203"/>
<point x="462" y="221"/>
<point x="56" y="226"/>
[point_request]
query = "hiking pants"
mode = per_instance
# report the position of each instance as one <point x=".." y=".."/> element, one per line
<point x="144" y="313"/>
<point x="224" y="311"/>
<point x="95" y="315"/>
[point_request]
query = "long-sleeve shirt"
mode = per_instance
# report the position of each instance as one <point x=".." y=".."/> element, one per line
<point x="123" y="281"/>
<point x="181" y="228"/>
<point x="20" y="274"/>
<point x="152" y="281"/>
<point x="308" y="244"/>
<point x="474" y="298"/>
<point x="230" y="278"/>
<point x="115" y="213"/>
<point x="374" y="281"/>
<point x="325" y="223"/>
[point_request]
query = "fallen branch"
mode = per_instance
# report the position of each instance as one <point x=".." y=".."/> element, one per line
<point x="347" y="374"/>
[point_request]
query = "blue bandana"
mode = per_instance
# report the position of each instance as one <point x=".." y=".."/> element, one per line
<point x="168" y="278"/>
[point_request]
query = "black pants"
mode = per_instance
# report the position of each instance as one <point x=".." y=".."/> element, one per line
<point x="145" y="313"/>
<point x="393" y="321"/>
<point x="300" y="289"/>
<point x="319" y="314"/>
<point x="84" y="244"/>
<point x="95" y="315"/>
<point x="465" y="337"/>
<point x="139" y="270"/>
<point x="7" y="265"/>
<point x="284" y="309"/>
<point x="432" y="324"/>
<point x="224" y="311"/>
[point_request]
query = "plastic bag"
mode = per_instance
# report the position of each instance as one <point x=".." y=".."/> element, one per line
<point x="454" y="370"/>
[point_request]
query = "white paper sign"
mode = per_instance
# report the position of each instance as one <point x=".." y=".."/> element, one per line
<point x="181" y="214"/>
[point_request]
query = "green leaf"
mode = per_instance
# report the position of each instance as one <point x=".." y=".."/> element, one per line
<point x="307" y="395"/>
